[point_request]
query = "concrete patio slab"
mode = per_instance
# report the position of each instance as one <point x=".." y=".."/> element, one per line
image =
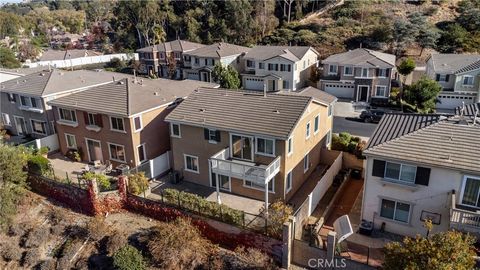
<point x="63" y="166"/>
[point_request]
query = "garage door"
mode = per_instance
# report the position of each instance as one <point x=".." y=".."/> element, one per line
<point x="192" y="75"/>
<point x="253" y="84"/>
<point x="340" y="90"/>
<point x="451" y="102"/>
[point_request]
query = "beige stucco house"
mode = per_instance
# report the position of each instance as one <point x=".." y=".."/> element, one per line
<point x="249" y="142"/>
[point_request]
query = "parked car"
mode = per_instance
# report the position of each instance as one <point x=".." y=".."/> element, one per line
<point x="369" y="115"/>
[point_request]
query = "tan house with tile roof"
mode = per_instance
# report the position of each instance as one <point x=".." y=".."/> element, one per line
<point x="422" y="167"/>
<point x="248" y="142"/>
<point x="122" y="121"/>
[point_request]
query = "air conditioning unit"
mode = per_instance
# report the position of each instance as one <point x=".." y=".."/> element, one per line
<point x="175" y="177"/>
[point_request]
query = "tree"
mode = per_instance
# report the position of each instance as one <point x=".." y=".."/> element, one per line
<point x="278" y="213"/>
<point x="128" y="258"/>
<point x="406" y="67"/>
<point x="8" y="59"/>
<point x="427" y="38"/>
<point x="12" y="181"/>
<point x="444" y="250"/>
<point x="172" y="66"/>
<point x="453" y="39"/>
<point x="403" y="35"/>
<point x="227" y="76"/>
<point x="423" y="94"/>
<point x="265" y="17"/>
<point x="137" y="183"/>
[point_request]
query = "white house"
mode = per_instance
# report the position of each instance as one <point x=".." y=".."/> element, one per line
<point x="423" y="167"/>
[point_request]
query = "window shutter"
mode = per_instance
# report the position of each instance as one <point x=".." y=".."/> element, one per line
<point x="387" y="73"/>
<point x="98" y="120"/>
<point x="447" y="78"/>
<point x="437" y="77"/>
<point x="423" y="176"/>
<point x="85" y="116"/>
<point x="206" y="133"/>
<point x="217" y="136"/>
<point x="378" y="168"/>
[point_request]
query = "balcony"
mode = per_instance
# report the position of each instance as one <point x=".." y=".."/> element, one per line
<point x="222" y="163"/>
<point x="463" y="218"/>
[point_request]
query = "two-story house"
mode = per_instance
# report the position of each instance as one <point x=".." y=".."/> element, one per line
<point x="122" y="121"/>
<point x="422" y="167"/>
<point x="459" y="76"/>
<point x="23" y="106"/>
<point x="248" y="143"/>
<point x="157" y="59"/>
<point x="361" y="75"/>
<point x="278" y="67"/>
<point x="199" y="63"/>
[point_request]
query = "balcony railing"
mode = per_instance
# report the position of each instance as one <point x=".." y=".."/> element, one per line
<point x="462" y="219"/>
<point x="221" y="163"/>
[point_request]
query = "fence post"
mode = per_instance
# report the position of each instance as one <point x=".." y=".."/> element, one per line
<point x="243" y="219"/>
<point x="266" y="225"/>
<point x="150" y="163"/>
<point x="161" y="193"/>
<point x="179" y="201"/>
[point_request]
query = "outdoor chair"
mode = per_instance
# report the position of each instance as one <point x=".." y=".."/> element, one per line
<point x="109" y="168"/>
<point x="97" y="163"/>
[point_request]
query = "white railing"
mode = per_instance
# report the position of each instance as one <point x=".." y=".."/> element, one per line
<point x="463" y="219"/>
<point x="261" y="174"/>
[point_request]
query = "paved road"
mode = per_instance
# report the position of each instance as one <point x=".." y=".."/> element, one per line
<point x="353" y="126"/>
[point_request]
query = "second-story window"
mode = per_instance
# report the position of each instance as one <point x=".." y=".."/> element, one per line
<point x="400" y="172"/>
<point x="468" y="80"/>
<point x="316" y="124"/>
<point x="250" y="64"/>
<point x="261" y="65"/>
<point x="12" y="97"/>
<point x="177" y="55"/>
<point x="307" y="134"/>
<point x="211" y="135"/>
<point x="364" y="72"/>
<point x="265" y="147"/>
<point x="175" y="130"/>
<point x="382" y="72"/>
<point x="273" y="67"/>
<point x="197" y="61"/>
<point x="332" y="69"/>
<point x="187" y="58"/>
<point x="137" y="123"/>
<point x="91" y="119"/>
<point x="25" y="101"/>
<point x="306" y="163"/>
<point x="348" y="71"/>
<point x="285" y="67"/>
<point x="116" y="124"/>
<point x="442" y="78"/>
<point x="290" y="146"/>
<point x="162" y="55"/>
<point x="67" y="115"/>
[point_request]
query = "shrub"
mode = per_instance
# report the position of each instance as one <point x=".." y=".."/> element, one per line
<point x="77" y="232"/>
<point x="252" y="258"/>
<point x="137" y="183"/>
<point x="48" y="264"/>
<point x="31" y="257"/>
<point x="56" y="216"/>
<point x="102" y="180"/>
<point x="278" y="213"/>
<point x="35" y="237"/>
<point x="18" y="229"/>
<point x="11" y="252"/>
<point x="42" y="151"/>
<point x="38" y="164"/>
<point x="97" y="228"/>
<point x="115" y="242"/>
<point x="128" y="258"/>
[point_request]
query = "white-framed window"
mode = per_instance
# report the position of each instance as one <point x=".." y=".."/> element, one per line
<point x="250" y="184"/>
<point x="116" y="124"/>
<point x="91" y="119"/>
<point x="286" y="84"/>
<point x="191" y="163"/>
<point x="468" y="80"/>
<point x="212" y="136"/>
<point x="395" y="210"/>
<point x="329" y="138"/>
<point x="250" y="64"/>
<point x="307" y="132"/>
<point x="6" y="119"/>
<point x="117" y="152"/>
<point x="441" y="77"/>
<point x="175" y="130"/>
<point x="332" y="69"/>
<point x="67" y="115"/>
<point x="12" y="97"/>
<point x="224" y="181"/>
<point x="25" y="101"/>
<point x="364" y="73"/>
<point x="348" y="71"/>
<point x="137" y="123"/>
<point x="290" y="146"/>
<point x="285" y="67"/>
<point x="316" y="124"/>
<point x="261" y="65"/>
<point x="382" y="72"/>
<point x="288" y="180"/>
<point x="142" y="154"/>
<point x="306" y="163"/>
<point x="471" y="191"/>
<point x="329" y="110"/>
<point x="71" y="141"/>
<point x="380" y="91"/>
<point x="39" y="127"/>
<point x="265" y="146"/>
<point x="400" y="172"/>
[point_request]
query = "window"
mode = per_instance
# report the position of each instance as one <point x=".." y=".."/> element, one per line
<point x="329" y="138"/>
<point x="316" y="124"/>
<point x="117" y="152"/>
<point x="470" y="191"/>
<point x="254" y="185"/>
<point x="395" y="210"/>
<point x="34" y="103"/>
<point x="306" y="163"/>
<point x="91" y="119"/>
<point x="142" y="156"/>
<point x="400" y="172"/>
<point x="364" y="73"/>
<point x="212" y="135"/>
<point x="285" y="67"/>
<point x="223" y="181"/>
<point x="197" y="61"/>
<point x="250" y="64"/>
<point x="442" y="78"/>
<point x="468" y="80"/>
<point x="304" y="64"/>
<point x="273" y="67"/>
<point x="39" y="127"/>
<point x="332" y="69"/>
<point x="348" y="71"/>
<point x="380" y="90"/>
<point x="67" y="115"/>
<point x="289" y="181"/>
<point x="116" y="124"/>
<point x="177" y="55"/>
<point x="286" y="84"/>
<point x="137" y="123"/>
<point x="12" y="97"/>
<point x="329" y="110"/>
<point x="307" y="134"/>
<point x="290" y="146"/>
<point x="175" y="130"/>
<point x="71" y="142"/>
<point x="382" y="72"/>
<point x="6" y="119"/>
<point x="25" y="101"/>
<point x="265" y="147"/>
<point x="191" y="164"/>
<point x="261" y="65"/>
<point x="187" y="58"/>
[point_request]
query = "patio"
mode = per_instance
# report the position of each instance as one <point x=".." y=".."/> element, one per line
<point x="64" y="167"/>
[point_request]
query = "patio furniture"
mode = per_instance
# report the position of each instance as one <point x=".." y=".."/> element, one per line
<point x="108" y="168"/>
<point x="122" y="169"/>
<point x="87" y="168"/>
<point x="97" y="163"/>
<point x="366" y="227"/>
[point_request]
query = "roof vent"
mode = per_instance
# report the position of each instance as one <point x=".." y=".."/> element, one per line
<point x="24" y="81"/>
<point x="202" y="110"/>
<point x="120" y="82"/>
<point x="276" y="111"/>
<point x="156" y="93"/>
<point x="42" y="74"/>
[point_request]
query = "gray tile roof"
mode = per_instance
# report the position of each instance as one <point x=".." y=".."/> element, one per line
<point x="363" y="57"/>
<point x="220" y="49"/>
<point x="51" y="55"/>
<point x="455" y="63"/>
<point x="449" y="143"/>
<point x="470" y="109"/>
<point x="275" y="115"/>
<point x="126" y="97"/>
<point x="173" y="46"/>
<point x="47" y="82"/>
<point x="315" y="93"/>
<point x="293" y="53"/>
<point x="395" y="125"/>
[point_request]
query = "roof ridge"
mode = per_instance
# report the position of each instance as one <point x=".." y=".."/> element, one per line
<point x="466" y="68"/>
<point x="128" y="97"/>
<point x="48" y="80"/>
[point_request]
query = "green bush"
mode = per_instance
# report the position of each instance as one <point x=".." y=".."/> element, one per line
<point x="39" y="165"/>
<point x="347" y="143"/>
<point x="137" y="183"/>
<point x="102" y="180"/>
<point x="128" y="258"/>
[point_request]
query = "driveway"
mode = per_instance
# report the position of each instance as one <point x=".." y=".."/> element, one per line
<point x="354" y="126"/>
